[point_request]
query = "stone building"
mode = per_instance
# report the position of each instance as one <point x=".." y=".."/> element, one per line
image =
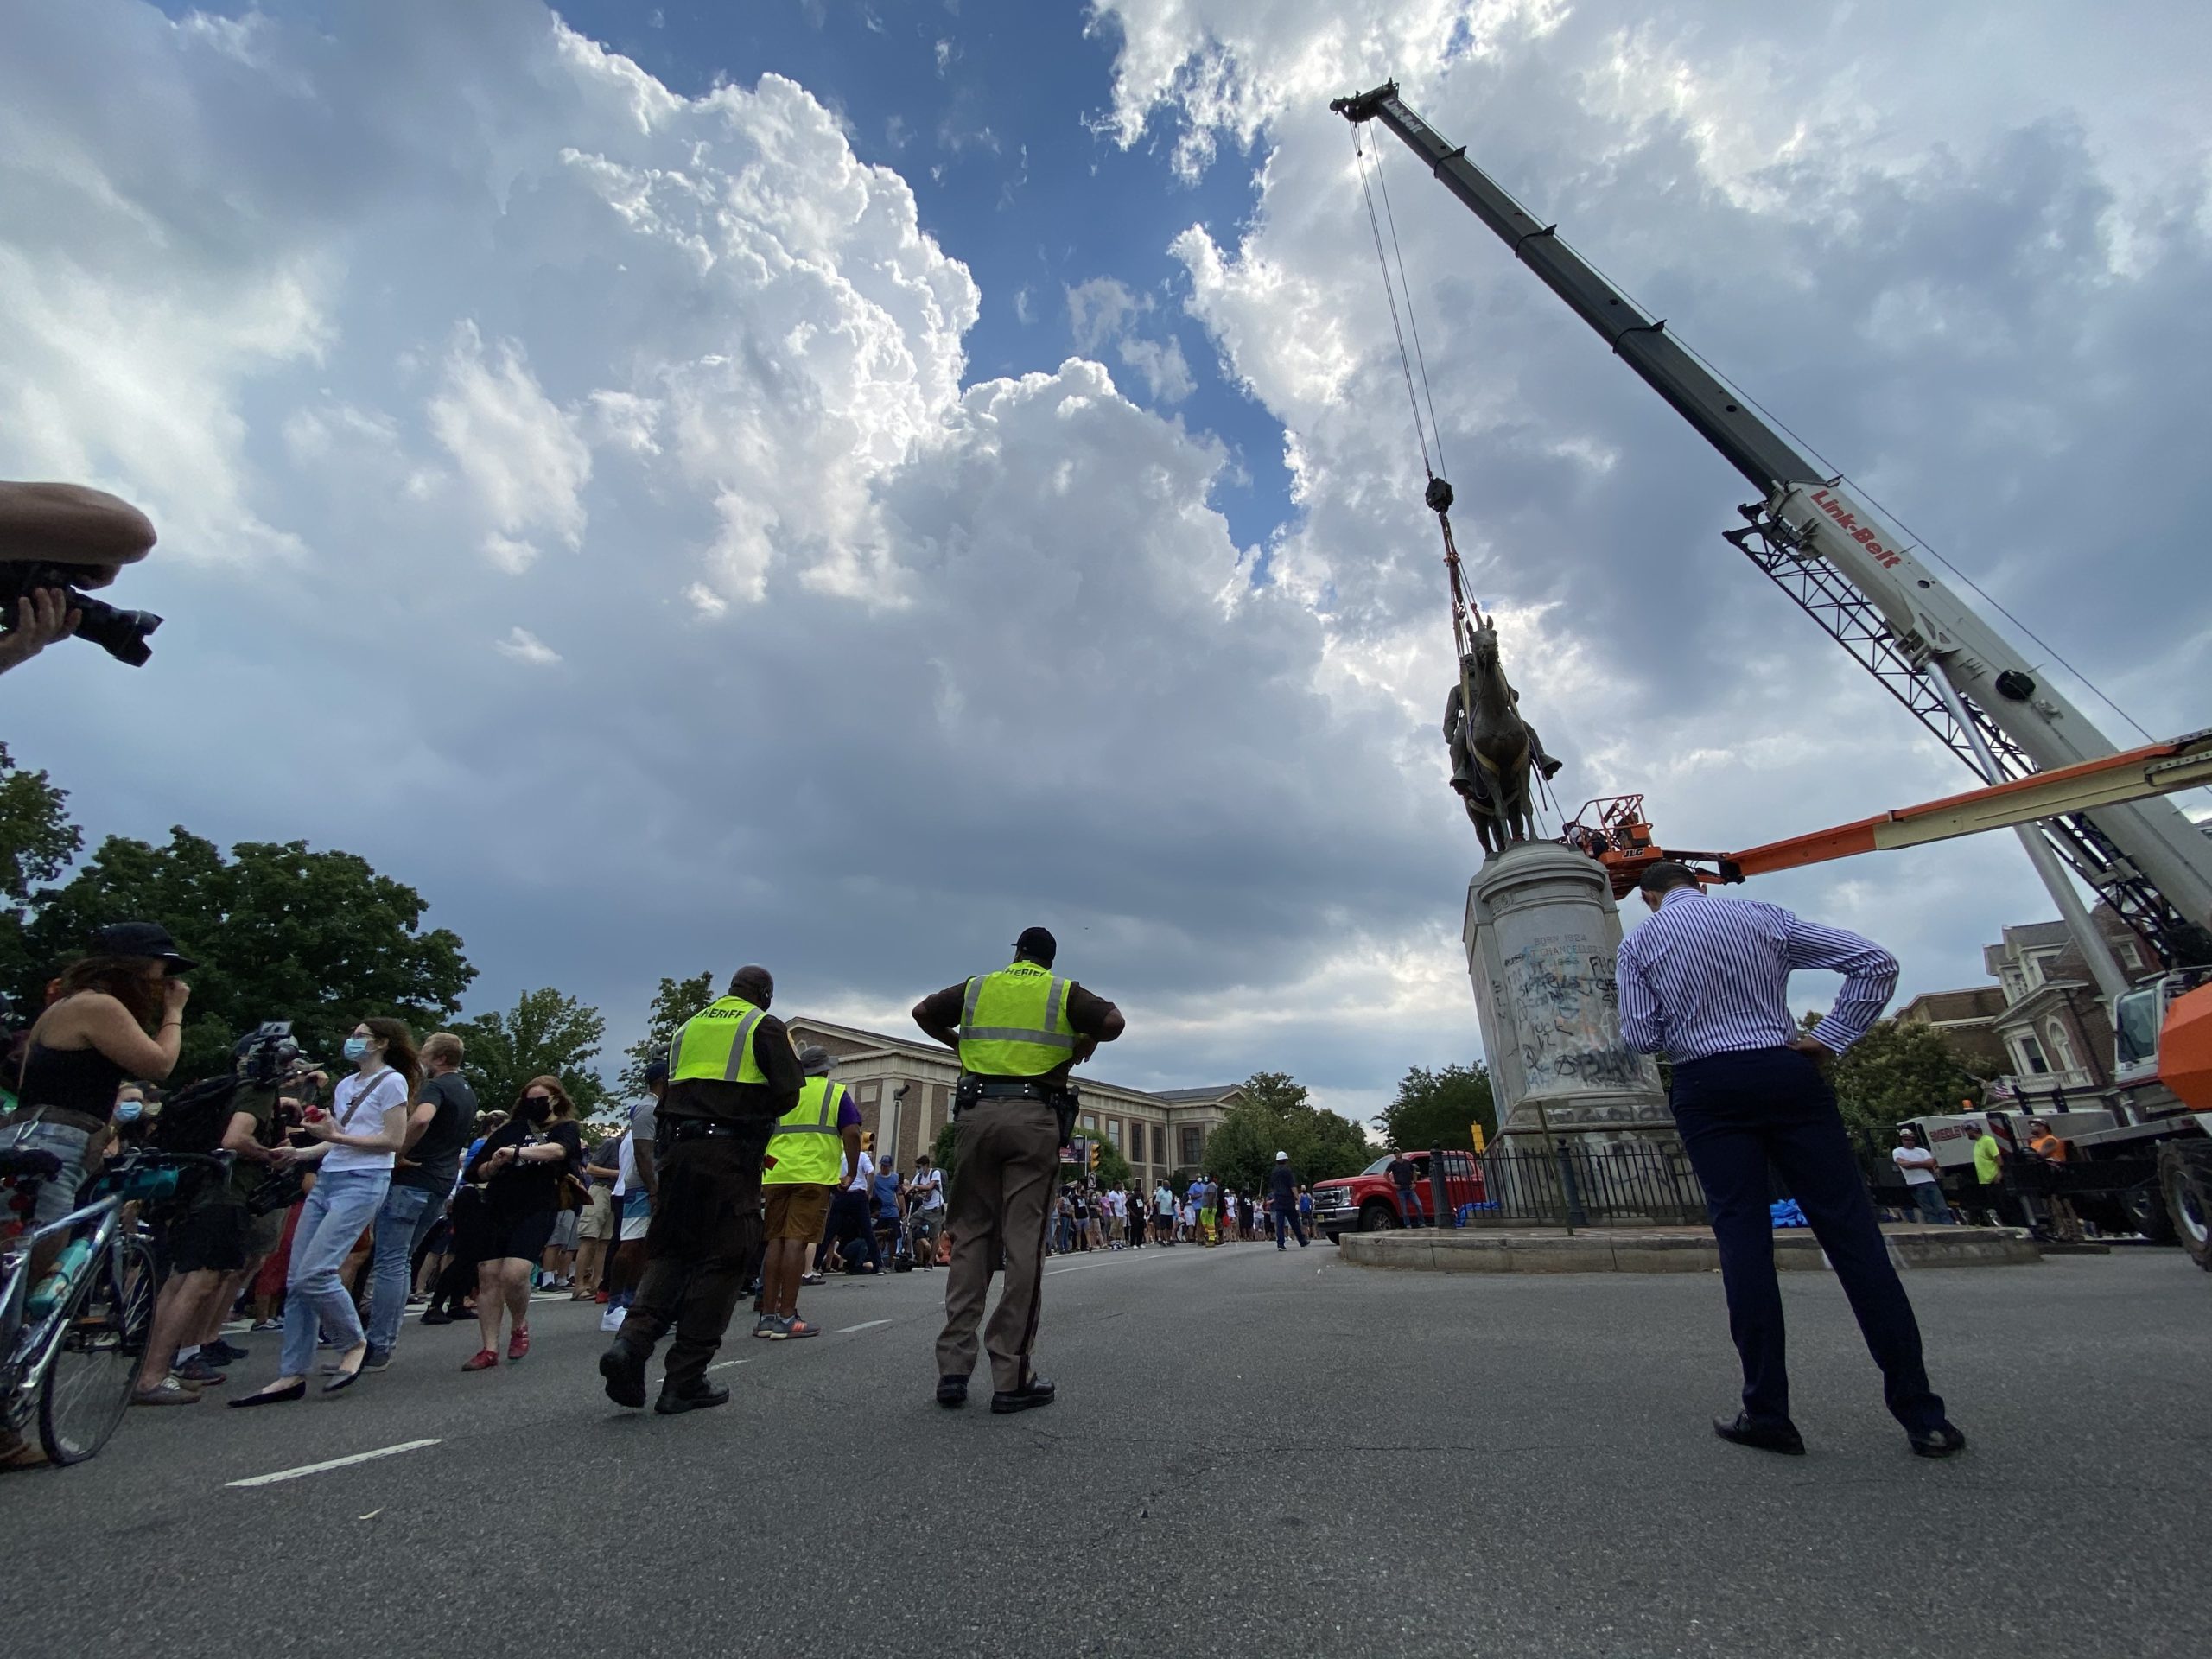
<point x="1966" y="1021"/>
<point x="903" y="1086"/>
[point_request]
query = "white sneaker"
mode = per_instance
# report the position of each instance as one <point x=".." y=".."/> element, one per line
<point x="612" y="1319"/>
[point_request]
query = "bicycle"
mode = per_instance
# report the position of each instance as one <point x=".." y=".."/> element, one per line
<point x="71" y="1346"/>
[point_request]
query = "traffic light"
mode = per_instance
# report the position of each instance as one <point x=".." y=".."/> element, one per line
<point x="1093" y="1162"/>
<point x="867" y="1141"/>
<point x="1479" y="1139"/>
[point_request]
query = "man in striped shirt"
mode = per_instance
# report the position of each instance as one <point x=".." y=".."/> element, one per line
<point x="1705" y="983"/>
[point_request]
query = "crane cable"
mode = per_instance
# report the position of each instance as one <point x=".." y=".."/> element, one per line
<point x="1440" y="487"/>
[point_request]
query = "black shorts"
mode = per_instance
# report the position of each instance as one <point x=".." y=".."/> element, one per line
<point x="524" y="1237"/>
<point x="210" y="1237"/>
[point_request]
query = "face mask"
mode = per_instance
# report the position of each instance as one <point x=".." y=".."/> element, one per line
<point x="356" y="1046"/>
<point x="538" y="1110"/>
<point x="129" y="1111"/>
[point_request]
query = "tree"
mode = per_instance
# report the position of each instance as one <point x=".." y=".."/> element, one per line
<point x="1899" y="1070"/>
<point x="677" y="1001"/>
<point x="1275" y="1115"/>
<point x="37" y="841"/>
<point x="280" y="932"/>
<point x="545" y="1034"/>
<point x="1113" y="1168"/>
<point x="1438" y="1108"/>
<point x="947" y="1148"/>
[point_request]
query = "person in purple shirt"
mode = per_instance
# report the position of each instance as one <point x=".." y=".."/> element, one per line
<point x="1706" y="982"/>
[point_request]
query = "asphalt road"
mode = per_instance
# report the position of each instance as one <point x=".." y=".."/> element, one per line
<point x="1252" y="1453"/>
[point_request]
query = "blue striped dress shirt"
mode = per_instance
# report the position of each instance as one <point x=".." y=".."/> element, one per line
<point x="1707" y="976"/>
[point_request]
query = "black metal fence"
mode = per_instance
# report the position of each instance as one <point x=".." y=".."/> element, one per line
<point x="1579" y="1181"/>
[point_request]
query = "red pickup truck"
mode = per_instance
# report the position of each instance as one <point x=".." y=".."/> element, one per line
<point x="1367" y="1203"/>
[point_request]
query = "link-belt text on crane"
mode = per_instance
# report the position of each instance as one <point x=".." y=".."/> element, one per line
<point x="1884" y="557"/>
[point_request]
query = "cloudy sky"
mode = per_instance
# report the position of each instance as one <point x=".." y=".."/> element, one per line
<point x="832" y="483"/>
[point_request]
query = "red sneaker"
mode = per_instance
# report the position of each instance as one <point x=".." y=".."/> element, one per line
<point x="483" y="1360"/>
<point x="600" y="1299"/>
<point x="518" y="1343"/>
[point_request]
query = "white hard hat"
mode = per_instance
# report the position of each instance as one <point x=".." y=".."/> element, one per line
<point x="1282" y="1157"/>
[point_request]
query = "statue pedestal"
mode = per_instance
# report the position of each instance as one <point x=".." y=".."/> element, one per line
<point x="1541" y="932"/>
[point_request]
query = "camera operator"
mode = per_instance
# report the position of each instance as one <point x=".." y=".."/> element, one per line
<point x="86" y="535"/>
<point x="209" y="1247"/>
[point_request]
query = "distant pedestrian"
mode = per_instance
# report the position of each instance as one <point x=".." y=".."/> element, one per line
<point x="522" y="1163"/>
<point x="1706" y="982"/>
<point x="1405" y="1180"/>
<point x="1989" y="1173"/>
<point x="2065" y="1225"/>
<point x="1284" y="1202"/>
<point x="1917" y="1165"/>
<point x="925" y="1212"/>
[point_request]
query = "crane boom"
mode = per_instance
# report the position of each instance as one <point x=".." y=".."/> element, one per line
<point x="1861" y="579"/>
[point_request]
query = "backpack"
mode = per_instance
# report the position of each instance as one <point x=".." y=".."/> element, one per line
<point x="194" y="1118"/>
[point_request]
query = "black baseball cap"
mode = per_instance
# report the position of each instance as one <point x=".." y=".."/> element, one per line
<point x="142" y="939"/>
<point x="1038" y="942"/>
<point x="656" y="1070"/>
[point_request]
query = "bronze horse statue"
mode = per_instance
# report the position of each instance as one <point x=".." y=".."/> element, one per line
<point x="1492" y="747"/>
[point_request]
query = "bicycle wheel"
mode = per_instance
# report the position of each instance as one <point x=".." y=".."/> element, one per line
<point x="87" y="1386"/>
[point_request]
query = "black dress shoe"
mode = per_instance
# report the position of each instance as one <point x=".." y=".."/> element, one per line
<point x="433" y="1316"/>
<point x="624" y="1368"/>
<point x="1782" y="1437"/>
<point x="1034" y="1393"/>
<point x="271" y="1396"/>
<point x="952" y="1392"/>
<point x="1938" y="1442"/>
<point x="707" y="1394"/>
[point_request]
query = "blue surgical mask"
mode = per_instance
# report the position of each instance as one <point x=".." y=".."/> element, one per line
<point x="356" y="1046"/>
<point x="129" y="1111"/>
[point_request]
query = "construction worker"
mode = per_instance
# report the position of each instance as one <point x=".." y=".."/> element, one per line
<point x="1018" y="1033"/>
<point x="801" y="1175"/>
<point x="732" y="1074"/>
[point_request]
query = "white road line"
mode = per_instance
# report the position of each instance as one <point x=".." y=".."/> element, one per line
<point x="725" y="1364"/>
<point x="334" y="1463"/>
<point x="869" y="1325"/>
<point x="1085" y="1268"/>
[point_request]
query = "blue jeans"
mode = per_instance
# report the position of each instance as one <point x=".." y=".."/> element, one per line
<point x="331" y="1218"/>
<point x="404" y="1219"/>
<point x="1287" y="1220"/>
<point x="1409" y="1205"/>
<point x="1929" y="1197"/>
<point x="1740" y="1113"/>
<point x="58" y="1197"/>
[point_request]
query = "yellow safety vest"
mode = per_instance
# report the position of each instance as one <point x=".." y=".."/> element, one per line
<point x="717" y="1042"/>
<point x="806" y="1145"/>
<point x="1014" y="1023"/>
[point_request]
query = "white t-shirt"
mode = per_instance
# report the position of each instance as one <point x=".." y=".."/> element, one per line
<point x="925" y="1190"/>
<point x="1163" y="1201"/>
<point x="1922" y="1169"/>
<point x="857" y="1183"/>
<point x="358" y="1105"/>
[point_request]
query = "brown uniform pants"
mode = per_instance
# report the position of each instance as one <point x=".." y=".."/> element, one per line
<point x="1008" y="1151"/>
<point x="701" y="1251"/>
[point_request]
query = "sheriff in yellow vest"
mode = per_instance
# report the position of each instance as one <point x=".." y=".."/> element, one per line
<point x="1019" y="1033"/>
<point x="804" y="1160"/>
<point x="732" y="1075"/>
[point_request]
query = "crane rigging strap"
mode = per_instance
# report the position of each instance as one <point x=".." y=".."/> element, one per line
<point x="1440" y="488"/>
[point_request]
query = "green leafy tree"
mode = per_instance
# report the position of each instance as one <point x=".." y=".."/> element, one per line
<point x="280" y="932"/>
<point x="946" y="1149"/>
<point x="1113" y="1168"/>
<point x="545" y="1034"/>
<point x="1439" y="1108"/>
<point x="1900" y="1069"/>
<point x="37" y="841"/>
<point x="1275" y="1115"/>
<point x="677" y="1001"/>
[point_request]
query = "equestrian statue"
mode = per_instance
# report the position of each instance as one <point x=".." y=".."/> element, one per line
<point x="1492" y="747"/>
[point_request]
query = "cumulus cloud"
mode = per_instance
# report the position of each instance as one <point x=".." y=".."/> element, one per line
<point x="1104" y="313"/>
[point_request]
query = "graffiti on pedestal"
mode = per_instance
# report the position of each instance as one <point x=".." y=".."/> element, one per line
<point x="1567" y="1005"/>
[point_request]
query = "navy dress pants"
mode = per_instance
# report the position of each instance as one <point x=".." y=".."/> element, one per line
<point x="1737" y="1114"/>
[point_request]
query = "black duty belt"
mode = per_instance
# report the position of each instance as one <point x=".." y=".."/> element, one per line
<point x="695" y="1128"/>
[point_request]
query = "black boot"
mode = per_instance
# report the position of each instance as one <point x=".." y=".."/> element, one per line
<point x="624" y="1368"/>
<point x="696" y="1399"/>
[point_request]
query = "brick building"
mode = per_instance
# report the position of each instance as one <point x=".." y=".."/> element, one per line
<point x="903" y="1089"/>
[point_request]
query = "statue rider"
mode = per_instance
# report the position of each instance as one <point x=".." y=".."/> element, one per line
<point x="1467" y="776"/>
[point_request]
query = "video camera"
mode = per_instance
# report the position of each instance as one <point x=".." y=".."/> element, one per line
<point x="120" y="634"/>
<point x="267" y="1055"/>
